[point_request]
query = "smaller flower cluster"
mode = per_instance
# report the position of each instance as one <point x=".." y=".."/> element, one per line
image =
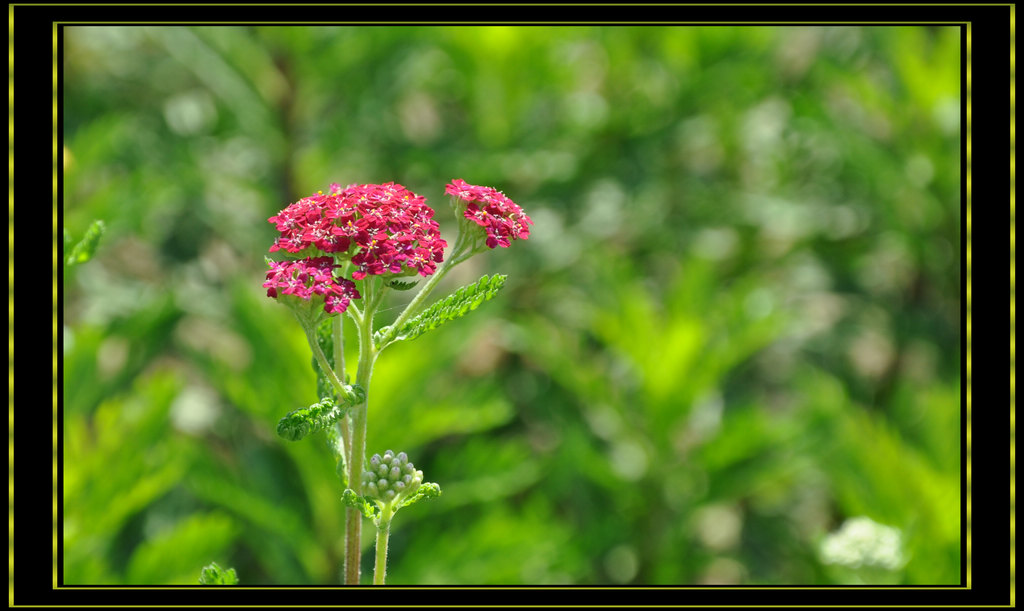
<point x="311" y="276"/>
<point x="390" y="477"/>
<point x="502" y="218"/>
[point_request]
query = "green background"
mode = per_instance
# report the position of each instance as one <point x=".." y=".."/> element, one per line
<point x="735" y="325"/>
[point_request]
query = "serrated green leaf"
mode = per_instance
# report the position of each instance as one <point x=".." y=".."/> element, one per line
<point x="427" y="490"/>
<point x="301" y="422"/>
<point x="400" y="285"/>
<point x="325" y="339"/>
<point x="341" y="470"/>
<point x="305" y="421"/>
<point x="379" y="336"/>
<point x="334" y="443"/>
<point x="456" y="305"/>
<point x="214" y="575"/>
<point x="323" y="385"/>
<point x="351" y="499"/>
<point x="86" y="248"/>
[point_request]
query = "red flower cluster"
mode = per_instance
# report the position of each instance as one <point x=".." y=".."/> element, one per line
<point x="385" y="228"/>
<point x="311" y="276"/>
<point x="503" y="220"/>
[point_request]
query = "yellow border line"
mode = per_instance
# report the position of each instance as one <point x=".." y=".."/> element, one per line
<point x="754" y="587"/>
<point x="593" y="4"/>
<point x="968" y="294"/>
<point x="10" y="302"/>
<point x="513" y="23"/>
<point x="1013" y="308"/>
<point x="55" y="329"/>
<point x="468" y="606"/>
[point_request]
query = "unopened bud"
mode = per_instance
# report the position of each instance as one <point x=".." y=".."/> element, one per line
<point x="391" y="478"/>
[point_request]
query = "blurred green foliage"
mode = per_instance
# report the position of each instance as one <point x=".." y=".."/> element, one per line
<point x="84" y="250"/>
<point x="735" y="325"/>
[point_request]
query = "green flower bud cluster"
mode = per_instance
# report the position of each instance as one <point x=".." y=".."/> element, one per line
<point x="390" y="478"/>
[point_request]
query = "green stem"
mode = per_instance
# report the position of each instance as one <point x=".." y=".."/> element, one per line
<point x="420" y="297"/>
<point x="467" y="244"/>
<point x="364" y="371"/>
<point x="339" y="346"/>
<point x="322" y="360"/>
<point x="354" y="314"/>
<point x="339" y="359"/>
<point x="380" y="567"/>
<point x="342" y="425"/>
<point x="353" y="517"/>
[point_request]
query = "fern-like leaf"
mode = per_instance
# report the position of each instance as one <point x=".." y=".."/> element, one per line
<point x="456" y="305"/>
<point x="427" y="490"/>
<point x="325" y="338"/>
<point x="400" y="285"/>
<point x="305" y="421"/>
<point x="334" y="443"/>
<point x="214" y="575"/>
<point x="350" y="498"/>
<point x="86" y="248"/>
<point x="337" y="447"/>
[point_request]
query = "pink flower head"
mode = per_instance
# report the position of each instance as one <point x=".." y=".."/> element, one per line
<point x="308" y="277"/>
<point x="384" y="227"/>
<point x="503" y="220"/>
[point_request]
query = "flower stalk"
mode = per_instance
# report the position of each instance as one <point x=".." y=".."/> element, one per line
<point x="342" y="425"/>
<point x="380" y="566"/>
<point x="364" y="372"/>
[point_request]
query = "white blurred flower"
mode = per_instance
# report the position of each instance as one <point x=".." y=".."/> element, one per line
<point x="863" y="542"/>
